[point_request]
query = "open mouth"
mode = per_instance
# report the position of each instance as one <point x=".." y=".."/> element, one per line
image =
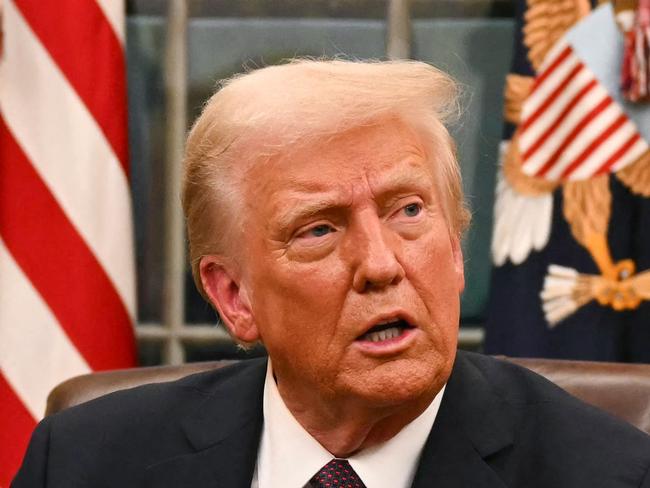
<point x="384" y="331"/>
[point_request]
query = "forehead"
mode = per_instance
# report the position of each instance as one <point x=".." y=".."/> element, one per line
<point x="390" y="153"/>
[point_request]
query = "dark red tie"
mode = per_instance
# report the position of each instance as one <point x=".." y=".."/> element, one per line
<point x="337" y="474"/>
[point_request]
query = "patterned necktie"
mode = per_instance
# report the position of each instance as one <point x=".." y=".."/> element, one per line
<point x="337" y="474"/>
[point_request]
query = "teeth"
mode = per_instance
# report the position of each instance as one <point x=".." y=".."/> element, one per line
<point x="382" y="335"/>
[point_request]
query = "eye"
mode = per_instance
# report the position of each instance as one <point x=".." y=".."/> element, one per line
<point x="412" y="209"/>
<point x="316" y="231"/>
<point x="320" y="230"/>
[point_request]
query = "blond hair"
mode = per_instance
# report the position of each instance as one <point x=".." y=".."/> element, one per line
<point x="265" y="112"/>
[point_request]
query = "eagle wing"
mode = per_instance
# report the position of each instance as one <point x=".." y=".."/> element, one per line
<point x="636" y="176"/>
<point x="587" y="208"/>
<point x="546" y="21"/>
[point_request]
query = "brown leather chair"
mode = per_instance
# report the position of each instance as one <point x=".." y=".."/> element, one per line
<point x="86" y="387"/>
<point x="621" y="389"/>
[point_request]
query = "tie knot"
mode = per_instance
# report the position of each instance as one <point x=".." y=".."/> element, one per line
<point x="337" y="474"/>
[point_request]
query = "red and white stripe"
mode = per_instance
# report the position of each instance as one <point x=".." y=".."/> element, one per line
<point x="67" y="296"/>
<point x="571" y="129"/>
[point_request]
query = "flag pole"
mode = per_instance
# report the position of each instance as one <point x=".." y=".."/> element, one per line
<point x="174" y="229"/>
<point x="398" y="42"/>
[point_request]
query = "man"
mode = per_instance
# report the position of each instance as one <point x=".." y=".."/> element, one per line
<point x="324" y="211"/>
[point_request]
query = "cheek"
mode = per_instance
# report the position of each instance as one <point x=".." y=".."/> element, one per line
<point x="300" y="296"/>
<point x="432" y="271"/>
<point x="316" y="283"/>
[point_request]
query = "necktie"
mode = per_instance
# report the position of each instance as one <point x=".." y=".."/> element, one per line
<point x="337" y="474"/>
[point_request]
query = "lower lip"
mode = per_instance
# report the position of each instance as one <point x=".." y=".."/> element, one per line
<point x="388" y="347"/>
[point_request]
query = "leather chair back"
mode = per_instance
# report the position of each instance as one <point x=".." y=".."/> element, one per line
<point x="86" y="387"/>
<point x="620" y="389"/>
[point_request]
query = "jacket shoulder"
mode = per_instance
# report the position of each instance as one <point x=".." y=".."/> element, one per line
<point x="115" y="436"/>
<point x="557" y="436"/>
<point x="154" y="401"/>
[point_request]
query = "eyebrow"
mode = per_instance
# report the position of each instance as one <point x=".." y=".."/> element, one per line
<point x="318" y="205"/>
<point x="392" y="187"/>
<point x="400" y="183"/>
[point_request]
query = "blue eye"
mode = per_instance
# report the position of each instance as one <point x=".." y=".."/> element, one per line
<point x="412" y="209"/>
<point x="320" y="230"/>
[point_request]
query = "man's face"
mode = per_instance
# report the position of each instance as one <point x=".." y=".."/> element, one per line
<point x="350" y="270"/>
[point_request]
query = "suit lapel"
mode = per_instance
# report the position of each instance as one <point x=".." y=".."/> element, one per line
<point x="473" y="428"/>
<point x="224" y="433"/>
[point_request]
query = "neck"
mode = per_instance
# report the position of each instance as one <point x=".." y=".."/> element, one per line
<point x="347" y="426"/>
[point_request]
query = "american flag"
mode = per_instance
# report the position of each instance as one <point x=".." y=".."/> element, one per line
<point x="67" y="297"/>
<point x="571" y="129"/>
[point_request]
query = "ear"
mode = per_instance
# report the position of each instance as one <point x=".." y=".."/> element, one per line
<point x="459" y="265"/>
<point x="222" y="283"/>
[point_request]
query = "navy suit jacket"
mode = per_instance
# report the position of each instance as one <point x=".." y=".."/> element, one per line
<point x="498" y="426"/>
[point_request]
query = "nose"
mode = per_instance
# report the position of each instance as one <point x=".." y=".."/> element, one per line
<point x="376" y="265"/>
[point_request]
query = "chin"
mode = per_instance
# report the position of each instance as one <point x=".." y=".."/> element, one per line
<point x="395" y="384"/>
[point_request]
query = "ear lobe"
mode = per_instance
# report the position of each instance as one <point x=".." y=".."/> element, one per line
<point x="459" y="265"/>
<point x="222" y="286"/>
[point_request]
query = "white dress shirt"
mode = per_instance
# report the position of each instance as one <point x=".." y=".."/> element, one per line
<point x="289" y="456"/>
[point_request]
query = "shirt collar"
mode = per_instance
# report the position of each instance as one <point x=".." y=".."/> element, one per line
<point x="290" y="456"/>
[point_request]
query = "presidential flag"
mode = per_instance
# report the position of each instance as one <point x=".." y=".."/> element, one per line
<point x="571" y="238"/>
